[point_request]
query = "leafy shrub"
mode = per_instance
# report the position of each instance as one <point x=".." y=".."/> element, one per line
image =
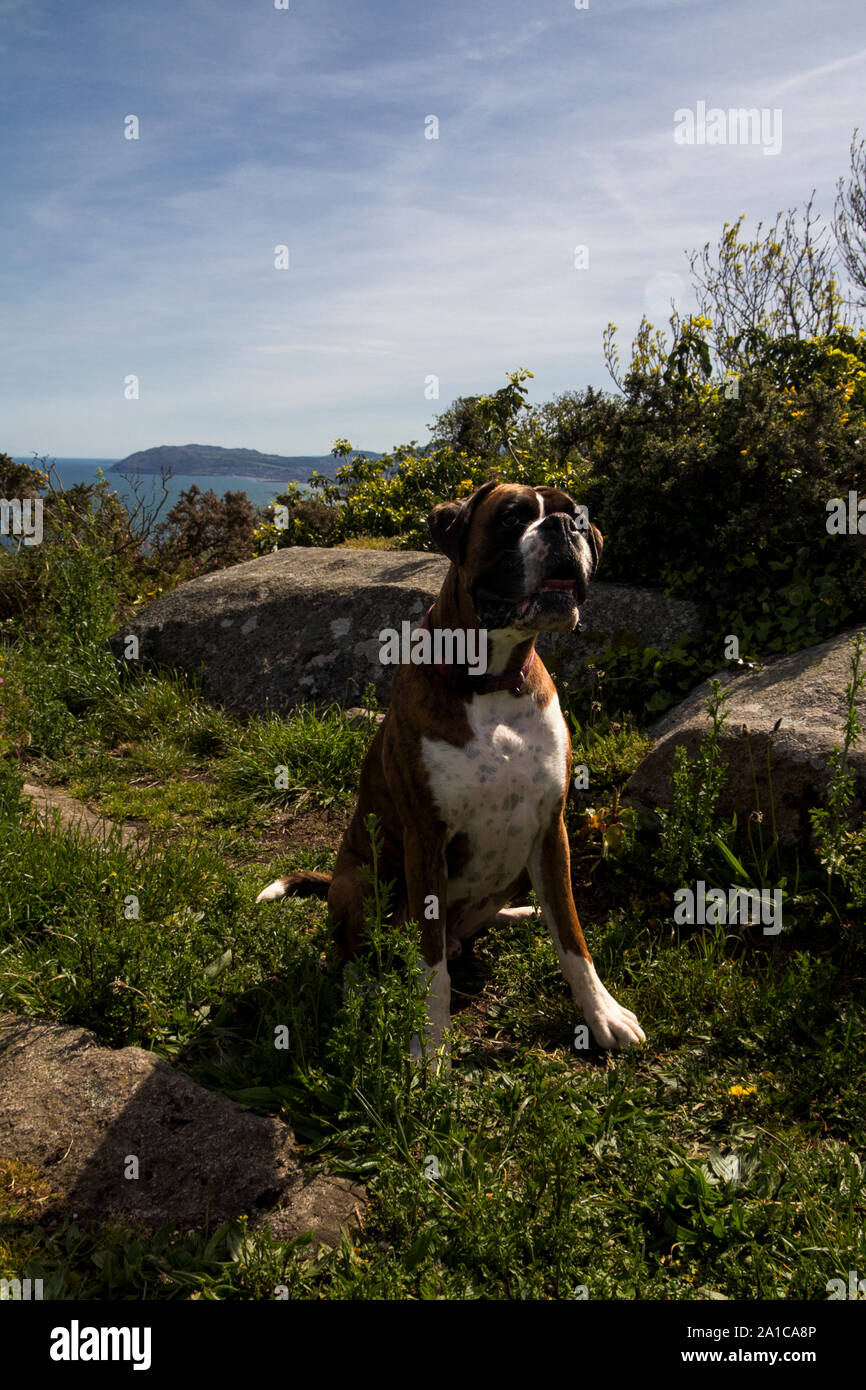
<point x="295" y="518"/>
<point x="205" y="532"/>
<point x="687" y="829"/>
<point x="68" y="586"/>
<point x="715" y="489"/>
<point x="718" y="491"/>
<point x="391" y="496"/>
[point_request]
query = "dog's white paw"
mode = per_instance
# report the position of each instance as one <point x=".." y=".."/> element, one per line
<point x="516" y="914"/>
<point x="612" y="1025"/>
<point x="272" y="892"/>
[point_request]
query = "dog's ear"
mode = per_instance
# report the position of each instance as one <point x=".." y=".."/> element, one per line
<point x="444" y="526"/>
<point x="595" y="541"/>
<point x="449" y="523"/>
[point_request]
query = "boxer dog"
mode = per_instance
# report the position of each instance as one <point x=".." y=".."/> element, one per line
<point x="468" y="774"/>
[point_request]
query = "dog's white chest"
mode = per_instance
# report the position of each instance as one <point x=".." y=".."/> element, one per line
<point x="500" y="789"/>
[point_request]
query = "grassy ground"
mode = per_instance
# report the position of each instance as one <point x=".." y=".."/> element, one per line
<point x="721" y="1160"/>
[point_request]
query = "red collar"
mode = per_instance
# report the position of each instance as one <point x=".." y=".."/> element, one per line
<point x="483" y="685"/>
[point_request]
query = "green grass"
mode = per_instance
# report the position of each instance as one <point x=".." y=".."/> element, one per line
<point x="646" y="1176"/>
<point x="720" y="1160"/>
<point x="278" y="761"/>
<point x="611" y="751"/>
<point x="151" y="750"/>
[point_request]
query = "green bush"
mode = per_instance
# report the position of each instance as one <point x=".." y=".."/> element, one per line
<point x="712" y="488"/>
<point x="205" y="532"/>
<point x="715" y="489"/>
<point x="718" y="490"/>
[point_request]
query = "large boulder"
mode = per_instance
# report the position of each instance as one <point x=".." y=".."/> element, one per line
<point x="80" y="1113"/>
<point x="302" y="625"/>
<point x="784" y="721"/>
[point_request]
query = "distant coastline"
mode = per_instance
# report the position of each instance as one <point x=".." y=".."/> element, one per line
<point x="194" y="460"/>
<point x="129" y="484"/>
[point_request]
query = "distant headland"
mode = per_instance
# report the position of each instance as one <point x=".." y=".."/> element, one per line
<point x="204" y="459"/>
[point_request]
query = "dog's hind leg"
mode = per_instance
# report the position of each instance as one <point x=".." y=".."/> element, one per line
<point x="346" y="913"/>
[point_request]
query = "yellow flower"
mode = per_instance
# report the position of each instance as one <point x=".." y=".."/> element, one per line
<point x="740" y="1091"/>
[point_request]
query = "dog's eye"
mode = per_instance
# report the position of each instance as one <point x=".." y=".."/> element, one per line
<point x="511" y="521"/>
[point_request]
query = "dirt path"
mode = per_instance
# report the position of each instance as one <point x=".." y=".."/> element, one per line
<point x="47" y="800"/>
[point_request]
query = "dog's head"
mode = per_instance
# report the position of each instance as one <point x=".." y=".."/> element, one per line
<point x="524" y="555"/>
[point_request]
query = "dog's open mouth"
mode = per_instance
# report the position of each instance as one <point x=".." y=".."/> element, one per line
<point x="554" y="604"/>
<point x="560" y="588"/>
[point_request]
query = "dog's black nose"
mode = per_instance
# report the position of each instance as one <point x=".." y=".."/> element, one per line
<point x="562" y="522"/>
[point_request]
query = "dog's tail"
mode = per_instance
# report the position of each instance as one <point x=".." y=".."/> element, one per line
<point x="308" y="884"/>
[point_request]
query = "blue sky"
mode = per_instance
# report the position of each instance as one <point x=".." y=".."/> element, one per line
<point x="409" y="257"/>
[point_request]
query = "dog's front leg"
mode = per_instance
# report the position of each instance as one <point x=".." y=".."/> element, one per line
<point x="426" y="885"/>
<point x="550" y="871"/>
